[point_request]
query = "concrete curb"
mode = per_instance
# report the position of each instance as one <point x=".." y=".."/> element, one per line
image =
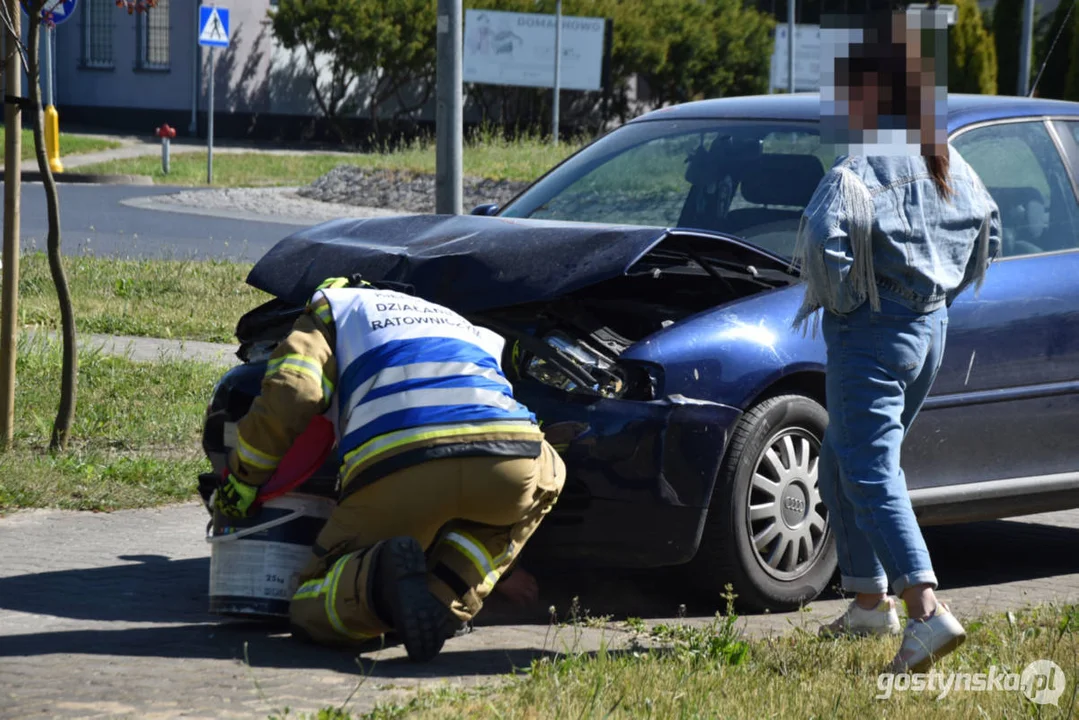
<point x="153" y="203"/>
<point x="86" y="179"/>
<point x="146" y="349"/>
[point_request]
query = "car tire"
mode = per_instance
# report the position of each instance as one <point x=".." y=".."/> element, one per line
<point x="793" y="567"/>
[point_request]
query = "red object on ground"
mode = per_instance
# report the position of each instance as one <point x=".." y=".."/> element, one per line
<point x="165" y="131"/>
<point x="307" y="454"/>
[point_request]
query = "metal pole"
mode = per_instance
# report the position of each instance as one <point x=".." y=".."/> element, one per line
<point x="557" y="70"/>
<point x="53" y="83"/>
<point x="12" y="196"/>
<point x="790" y="46"/>
<point x="449" y="118"/>
<point x="47" y="38"/>
<point x="210" y="126"/>
<point x="193" y="128"/>
<point x="1024" y="47"/>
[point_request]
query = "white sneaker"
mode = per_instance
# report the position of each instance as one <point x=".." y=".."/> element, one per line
<point x="857" y="621"/>
<point x="926" y="641"/>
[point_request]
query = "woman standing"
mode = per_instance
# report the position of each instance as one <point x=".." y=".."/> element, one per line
<point x="888" y="241"/>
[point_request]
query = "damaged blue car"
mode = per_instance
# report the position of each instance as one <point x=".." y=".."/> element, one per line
<point x="645" y="291"/>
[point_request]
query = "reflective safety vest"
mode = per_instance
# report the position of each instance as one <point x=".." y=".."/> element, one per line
<point x="417" y="381"/>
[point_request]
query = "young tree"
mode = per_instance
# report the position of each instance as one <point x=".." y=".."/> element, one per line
<point x="972" y="56"/>
<point x="401" y="36"/>
<point x="388" y="43"/>
<point x="330" y="29"/>
<point x="30" y="57"/>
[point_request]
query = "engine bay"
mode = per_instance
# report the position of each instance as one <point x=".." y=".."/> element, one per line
<point x="573" y="342"/>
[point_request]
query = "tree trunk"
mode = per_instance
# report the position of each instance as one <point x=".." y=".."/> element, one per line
<point x="61" y="428"/>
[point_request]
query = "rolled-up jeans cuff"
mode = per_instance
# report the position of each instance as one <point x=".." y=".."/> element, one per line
<point x="921" y="577"/>
<point x="864" y="584"/>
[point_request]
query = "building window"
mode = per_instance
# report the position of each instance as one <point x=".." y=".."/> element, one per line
<point x="97" y="19"/>
<point x="153" y="37"/>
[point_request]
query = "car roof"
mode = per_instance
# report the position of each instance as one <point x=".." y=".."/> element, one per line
<point x="963" y="109"/>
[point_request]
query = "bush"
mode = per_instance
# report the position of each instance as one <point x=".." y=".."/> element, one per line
<point x="1071" y="82"/>
<point x="384" y="50"/>
<point x="386" y="47"/>
<point x="1007" y="31"/>
<point x="972" y="56"/>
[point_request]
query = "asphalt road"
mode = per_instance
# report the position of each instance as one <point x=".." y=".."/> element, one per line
<point x="94" y="220"/>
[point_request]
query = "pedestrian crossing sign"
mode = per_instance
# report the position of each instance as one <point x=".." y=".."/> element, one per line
<point x="213" y="26"/>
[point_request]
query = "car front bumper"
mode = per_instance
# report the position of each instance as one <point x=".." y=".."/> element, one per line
<point x="640" y="473"/>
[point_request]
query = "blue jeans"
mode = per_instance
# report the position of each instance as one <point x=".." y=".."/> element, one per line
<point x="880" y="368"/>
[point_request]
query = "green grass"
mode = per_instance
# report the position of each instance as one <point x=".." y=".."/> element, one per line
<point x="181" y="299"/>
<point x="524" y="159"/>
<point x="69" y="144"/>
<point x="713" y="672"/>
<point x="135" y="442"/>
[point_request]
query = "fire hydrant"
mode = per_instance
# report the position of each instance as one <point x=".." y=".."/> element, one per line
<point x="166" y="133"/>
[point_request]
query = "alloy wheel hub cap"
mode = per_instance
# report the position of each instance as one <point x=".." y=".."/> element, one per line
<point x="787" y="518"/>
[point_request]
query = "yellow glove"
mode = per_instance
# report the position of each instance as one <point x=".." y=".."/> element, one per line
<point x="235" y="498"/>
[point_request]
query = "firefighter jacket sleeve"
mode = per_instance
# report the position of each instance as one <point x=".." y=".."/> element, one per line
<point x="298" y="385"/>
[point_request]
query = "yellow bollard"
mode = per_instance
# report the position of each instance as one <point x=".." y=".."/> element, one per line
<point x="52" y="139"/>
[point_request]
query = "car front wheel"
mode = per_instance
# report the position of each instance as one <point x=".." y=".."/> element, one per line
<point x="767" y="532"/>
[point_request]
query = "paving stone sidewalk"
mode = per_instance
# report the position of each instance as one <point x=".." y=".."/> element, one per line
<point x="105" y="615"/>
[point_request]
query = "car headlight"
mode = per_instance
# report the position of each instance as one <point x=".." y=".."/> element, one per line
<point x="592" y="373"/>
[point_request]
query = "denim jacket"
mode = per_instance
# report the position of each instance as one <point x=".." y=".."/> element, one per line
<point x="877" y="227"/>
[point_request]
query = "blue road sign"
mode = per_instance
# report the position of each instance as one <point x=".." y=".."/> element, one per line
<point x="213" y="26"/>
<point x="60" y="10"/>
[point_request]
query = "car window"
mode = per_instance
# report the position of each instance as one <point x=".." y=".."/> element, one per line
<point x="1068" y="130"/>
<point x="748" y="179"/>
<point x="1025" y="174"/>
<point x="645" y="185"/>
<point x="1073" y="126"/>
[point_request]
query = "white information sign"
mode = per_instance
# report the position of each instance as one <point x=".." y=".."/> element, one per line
<point x="505" y="48"/>
<point x="807" y="58"/>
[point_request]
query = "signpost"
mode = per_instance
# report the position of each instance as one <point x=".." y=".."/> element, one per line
<point x="213" y="33"/>
<point x="53" y="12"/>
<point x="58" y="11"/>
<point x="557" y="70"/>
<point x="449" y="117"/>
<point x="508" y="48"/>
<point x="807" y="72"/>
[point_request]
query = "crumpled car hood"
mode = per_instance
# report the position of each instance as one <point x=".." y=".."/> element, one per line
<point x="470" y="263"/>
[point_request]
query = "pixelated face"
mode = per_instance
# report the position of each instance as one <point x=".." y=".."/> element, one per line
<point x="884" y="82"/>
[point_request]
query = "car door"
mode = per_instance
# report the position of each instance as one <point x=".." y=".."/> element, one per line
<point x="1006" y="402"/>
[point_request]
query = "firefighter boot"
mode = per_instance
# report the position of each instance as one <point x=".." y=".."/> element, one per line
<point x="402" y="598"/>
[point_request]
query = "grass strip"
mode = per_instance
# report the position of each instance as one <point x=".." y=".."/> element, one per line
<point x="135" y="442"/>
<point x="524" y="159"/>
<point x="180" y="299"/>
<point x="713" y="672"/>
<point x="69" y="145"/>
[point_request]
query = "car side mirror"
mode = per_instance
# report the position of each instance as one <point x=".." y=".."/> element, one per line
<point x="488" y="209"/>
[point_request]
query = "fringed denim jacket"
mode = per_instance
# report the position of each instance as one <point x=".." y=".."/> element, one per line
<point x="877" y="227"/>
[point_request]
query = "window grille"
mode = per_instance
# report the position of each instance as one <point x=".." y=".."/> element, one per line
<point x="153" y="37"/>
<point x="97" y="23"/>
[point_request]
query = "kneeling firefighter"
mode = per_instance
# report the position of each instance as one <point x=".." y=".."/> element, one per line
<point x="444" y="476"/>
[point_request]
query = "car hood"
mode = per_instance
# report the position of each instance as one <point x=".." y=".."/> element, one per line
<point x="470" y="263"/>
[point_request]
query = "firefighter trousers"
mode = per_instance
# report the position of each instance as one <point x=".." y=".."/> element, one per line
<point x="472" y="515"/>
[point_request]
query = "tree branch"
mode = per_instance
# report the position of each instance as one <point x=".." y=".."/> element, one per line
<point x="13" y="27"/>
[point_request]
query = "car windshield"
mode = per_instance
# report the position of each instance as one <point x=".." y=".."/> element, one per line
<point x="748" y="178"/>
